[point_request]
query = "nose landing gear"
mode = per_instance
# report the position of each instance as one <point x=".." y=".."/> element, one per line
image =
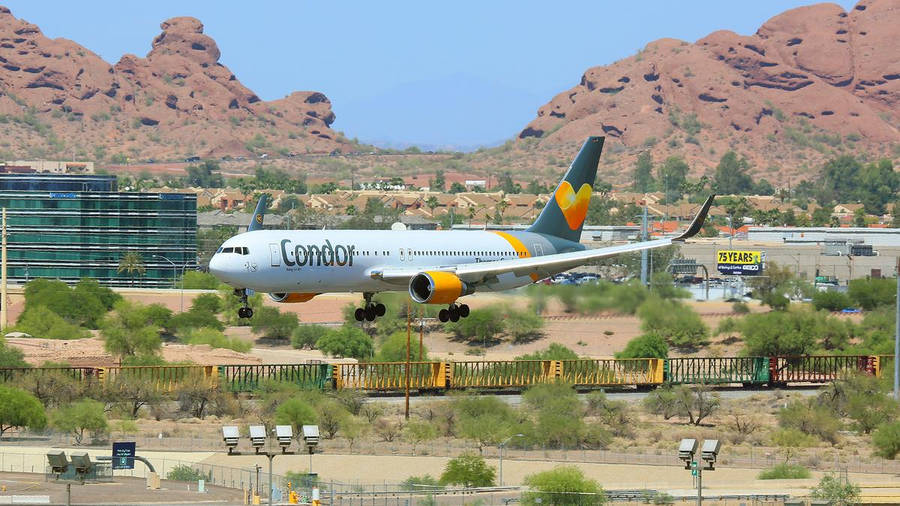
<point x="454" y="313"/>
<point x="371" y="310"/>
<point x="244" y="311"/>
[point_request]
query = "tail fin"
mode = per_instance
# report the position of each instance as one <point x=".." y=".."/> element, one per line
<point x="256" y="221"/>
<point x="564" y="214"/>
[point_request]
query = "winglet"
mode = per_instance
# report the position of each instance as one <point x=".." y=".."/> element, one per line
<point x="256" y="221"/>
<point x="697" y="224"/>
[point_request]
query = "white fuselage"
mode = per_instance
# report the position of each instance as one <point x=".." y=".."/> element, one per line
<point x="320" y="261"/>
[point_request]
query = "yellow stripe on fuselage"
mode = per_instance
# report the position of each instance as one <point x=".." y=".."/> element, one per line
<point x="515" y="243"/>
<point x="519" y="247"/>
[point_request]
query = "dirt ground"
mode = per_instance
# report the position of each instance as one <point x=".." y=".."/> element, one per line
<point x="123" y="490"/>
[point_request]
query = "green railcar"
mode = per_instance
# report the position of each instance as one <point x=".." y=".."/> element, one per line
<point x="247" y="378"/>
<point x="717" y="371"/>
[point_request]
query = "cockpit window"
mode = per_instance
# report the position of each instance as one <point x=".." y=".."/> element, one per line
<point x="227" y="250"/>
<point x="244" y="250"/>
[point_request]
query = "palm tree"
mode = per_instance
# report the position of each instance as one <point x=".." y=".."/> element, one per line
<point x="501" y="207"/>
<point x="131" y="263"/>
<point x="471" y="210"/>
<point x="432" y="203"/>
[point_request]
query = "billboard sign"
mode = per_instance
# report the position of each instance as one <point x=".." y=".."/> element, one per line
<point x="739" y="262"/>
<point x="123" y="455"/>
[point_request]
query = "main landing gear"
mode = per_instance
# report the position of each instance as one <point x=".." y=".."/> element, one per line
<point x="454" y="313"/>
<point x="244" y="311"/>
<point x="371" y="310"/>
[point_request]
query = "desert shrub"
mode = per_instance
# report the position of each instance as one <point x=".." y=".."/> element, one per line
<point x="393" y="349"/>
<point x="86" y="415"/>
<point x="793" y="332"/>
<point x="197" y="280"/>
<point x="740" y="308"/>
<point x="184" y="472"/>
<point x="650" y="345"/>
<point x="486" y="420"/>
<point x="424" y="482"/>
<point x="469" y="471"/>
<point x="564" y="485"/>
<point x="216" y="339"/>
<point x="810" y="417"/>
<point x="677" y="323"/>
<point x="831" y="300"/>
<point x="555" y="351"/>
<point x="784" y="472"/>
<point x="273" y="324"/>
<point x="19" y="408"/>
<point x="346" y="341"/>
<point x="871" y="293"/>
<point x="11" y="356"/>
<point x="305" y="336"/>
<point x="296" y="413"/>
<point x="836" y="491"/>
<point x="886" y="440"/>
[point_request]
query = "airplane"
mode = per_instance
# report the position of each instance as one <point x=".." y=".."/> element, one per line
<point x="434" y="267"/>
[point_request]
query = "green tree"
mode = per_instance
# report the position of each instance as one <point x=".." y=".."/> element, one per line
<point x="439" y="181"/>
<point x="19" y="408"/>
<point x="393" y="349"/>
<point x="487" y="420"/>
<point x="555" y="351"/>
<point x="643" y="173"/>
<point x="482" y="325"/>
<point x="418" y="432"/>
<point x="182" y="323"/>
<point x="731" y="176"/>
<point x="650" y="345"/>
<point x="296" y="413"/>
<point x="41" y="322"/>
<point x="80" y="417"/>
<point x="346" y="341"/>
<point x="198" y="280"/>
<point x="126" y="331"/>
<point x="836" y="491"/>
<point x="562" y="486"/>
<point x="831" y="300"/>
<point x="677" y="323"/>
<point x="821" y="217"/>
<point x="791" y="333"/>
<point x="810" y="417"/>
<point x="306" y="335"/>
<point x="131" y="263"/>
<point x="872" y="292"/>
<point x="273" y="324"/>
<point x="10" y="356"/>
<point x="672" y="174"/>
<point x="205" y="175"/>
<point x="863" y="398"/>
<point x="468" y="471"/>
<point x="886" y="440"/>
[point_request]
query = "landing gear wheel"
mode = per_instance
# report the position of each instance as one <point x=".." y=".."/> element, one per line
<point x="245" y="312"/>
<point x="359" y="314"/>
<point x="454" y="314"/>
<point x="370" y="313"/>
<point x="380" y="309"/>
<point x="444" y="315"/>
<point x="463" y="310"/>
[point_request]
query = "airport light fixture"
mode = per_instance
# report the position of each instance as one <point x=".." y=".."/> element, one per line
<point x="231" y="435"/>
<point x="257" y="436"/>
<point x="58" y="461"/>
<point x="709" y="451"/>
<point x="285" y="435"/>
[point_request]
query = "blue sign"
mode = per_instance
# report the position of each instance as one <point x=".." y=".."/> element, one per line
<point x="123" y="455"/>
<point x="171" y="196"/>
<point x="62" y="195"/>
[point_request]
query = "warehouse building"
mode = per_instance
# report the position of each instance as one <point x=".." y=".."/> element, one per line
<point x="73" y="226"/>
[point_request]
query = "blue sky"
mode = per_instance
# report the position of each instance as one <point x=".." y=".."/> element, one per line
<point x="461" y="73"/>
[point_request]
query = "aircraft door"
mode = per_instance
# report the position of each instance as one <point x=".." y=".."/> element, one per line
<point x="276" y="254"/>
<point x="402" y="257"/>
<point x="538" y="250"/>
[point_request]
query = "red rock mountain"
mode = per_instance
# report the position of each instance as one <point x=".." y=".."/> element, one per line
<point x="59" y="98"/>
<point x="811" y="82"/>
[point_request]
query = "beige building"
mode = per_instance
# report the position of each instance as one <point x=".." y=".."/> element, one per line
<point x="56" y="167"/>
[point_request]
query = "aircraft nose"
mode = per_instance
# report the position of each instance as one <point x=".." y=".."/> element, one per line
<point x="216" y="266"/>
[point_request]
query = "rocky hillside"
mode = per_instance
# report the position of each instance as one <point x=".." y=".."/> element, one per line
<point x="811" y="82"/>
<point x="58" y="98"/>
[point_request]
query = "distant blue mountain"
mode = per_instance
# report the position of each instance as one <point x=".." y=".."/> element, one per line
<point x="456" y="112"/>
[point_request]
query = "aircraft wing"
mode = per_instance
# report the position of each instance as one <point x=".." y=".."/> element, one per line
<point x="541" y="266"/>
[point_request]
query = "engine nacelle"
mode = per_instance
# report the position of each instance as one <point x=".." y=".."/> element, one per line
<point x="288" y="298"/>
<point x="436" y="287"/>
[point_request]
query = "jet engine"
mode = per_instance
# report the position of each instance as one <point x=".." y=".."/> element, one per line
<point x="436" y="287"/>
<point x="288" y="298"/>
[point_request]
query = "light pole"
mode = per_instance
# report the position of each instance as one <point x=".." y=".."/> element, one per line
<point x="710" y="450"/>
<point x="501" y="446"/>
<point x="175" y="278"/>
<point x="283" y="435"/>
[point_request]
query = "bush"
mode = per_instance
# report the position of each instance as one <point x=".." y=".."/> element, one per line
<point x="831" y="300"/>
<point x="482" y="325"/>
<point x="216" y="339"/>
<point x="19" y="408"/>
<point x="792" y="332"/>
<point x="784" y="472"/>
<point x="562" y="485"/>
<point x="419" y="483"/>
<point x="393" y="349"/>
<point x="810" y="417"/>
<point x="305" y="336"/>
<point x="678" y="324"/>
<point x="197" y="280"/>
<point x="873" y="292"/>
<point x="10" y="356"/>
<point x="469" y="471"/>
<point x="296" y="413"/>
<point x="346" y="341"/>
<point x="183" y="472"/>
<point x="887" y="440"/>
<point x="273" y="324"/>
<point x="650" y="345"/>
<point x="130" y="330"/>
<point x="740" y="308"/>
<point x="836" y="491"/>
<point x="81" y="416"/>
<point x="555" y="351"/>
<point x="41" y="322"/>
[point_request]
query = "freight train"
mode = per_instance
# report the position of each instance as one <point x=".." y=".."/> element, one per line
<point x="489" y="375"/>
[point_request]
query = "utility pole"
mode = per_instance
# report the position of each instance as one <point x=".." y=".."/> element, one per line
<point x="406" y="382"/>
<point x="3" y="299"/>
<point x="896" y="336"/>
<point x="644" y="252"/>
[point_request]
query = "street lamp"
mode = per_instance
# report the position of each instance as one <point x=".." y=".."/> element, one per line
<point x="708" y="453"/>
<point x="501" y="446"/>
<point x="174" y="277"/>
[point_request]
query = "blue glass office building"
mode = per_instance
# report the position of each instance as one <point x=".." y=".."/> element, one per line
<point x="74" y="226"/>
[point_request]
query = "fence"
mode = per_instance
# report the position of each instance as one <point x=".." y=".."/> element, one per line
<point x="755" y="458"/>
